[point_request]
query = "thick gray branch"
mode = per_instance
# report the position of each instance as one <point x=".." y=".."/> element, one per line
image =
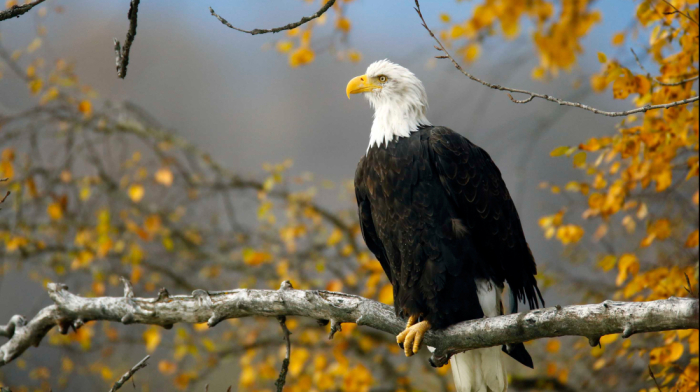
<point x="591" y="321"/>
<point x="17" y="10"/>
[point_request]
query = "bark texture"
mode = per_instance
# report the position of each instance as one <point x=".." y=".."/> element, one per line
<point x="591" y="321"/>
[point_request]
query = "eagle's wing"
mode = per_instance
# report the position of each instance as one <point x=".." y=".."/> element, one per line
<point x="369" y="233"/>
<point x="474" y="184"/>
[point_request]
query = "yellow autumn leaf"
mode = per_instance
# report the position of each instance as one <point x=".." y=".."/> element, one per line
<point x="579" y="159"/>
<point x="335" y="237"/>
<point x="602" y="58"/>
<point x="607" y="339"/>
<point x="537" y="73"/>
<point x="284" y="46"/>
<point x="559" y="151"/>
<point x="343" y="24"/>
<point x="152" y="337"/>
<point x="693" y="239"/>
<point x="34" y="45"/>
<point x="164" y="176"/>
<point x="445" y="17"/>
<point x="152" y="223"/>
<point x="85" y="107"/>
<point x="472" y="52"/>
<point x="553" y="346"/>
<point x="628" y="265"/>
<point x="301" y="56"/>
<point x="55" y="211"/>
<point x="107" y="374"/>
<point x="354" y="56"/>
<point x="598" y="364"/>
<point x="253" y="257"/>
<point x="618" y="39"/>
<point x="607" y="263"/>
<point x="675" y="351"/>
<point x="334" y="285"/>
<point x="297" y="360"/>
<point x="136" y="274"/>
<point x="136" y="192"/>
<point x="386" y="294"/>
<point x="49" y="95"/>
<point x="35" y="86"/>
<point x="167" y="367"/>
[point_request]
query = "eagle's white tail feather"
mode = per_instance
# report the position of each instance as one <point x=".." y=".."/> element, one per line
<point x="479" y="370"/>
<point x="482" y="370"/>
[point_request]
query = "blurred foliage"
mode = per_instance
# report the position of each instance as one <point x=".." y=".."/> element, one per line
<point x="101" y="190"/>
<point x="642" y="195"/>
<point x="297" y="44"/>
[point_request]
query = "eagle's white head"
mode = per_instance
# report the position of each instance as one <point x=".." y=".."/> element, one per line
<point x="398" y="98"/>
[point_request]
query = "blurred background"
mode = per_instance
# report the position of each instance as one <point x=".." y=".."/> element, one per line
<point x="226" y="160"/>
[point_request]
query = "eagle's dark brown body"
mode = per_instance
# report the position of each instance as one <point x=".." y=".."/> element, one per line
<point x="436" y="213"/>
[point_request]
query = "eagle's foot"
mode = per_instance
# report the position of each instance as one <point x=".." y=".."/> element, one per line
<point x="412" y="337"/>
<point x="411" y="320"/>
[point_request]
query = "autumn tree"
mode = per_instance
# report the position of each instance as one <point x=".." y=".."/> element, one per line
<point x="104" y="199"/>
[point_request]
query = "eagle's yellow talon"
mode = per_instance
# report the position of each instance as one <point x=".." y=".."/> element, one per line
<point x="412" y="336"/>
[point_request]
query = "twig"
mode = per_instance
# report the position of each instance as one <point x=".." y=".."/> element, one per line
<point x="639" y="63"/>
<point x="3" y="199"/>
<point x="546" y="97"/>
<point x="653" y="377"/>
<point x="590" y="321"/>
<point x="142" y="364"/>
<point x="285" y="363"/>
<point x="122" y="54"/>
<point x="677" y="11"/>
<point x="290" y="26"/>
<point x="17" y="10"/>
<point x="689" y="289"/>
<point x="282" y="379"/>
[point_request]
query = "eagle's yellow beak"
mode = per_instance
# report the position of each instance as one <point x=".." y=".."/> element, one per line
<point x="360" y="84"/>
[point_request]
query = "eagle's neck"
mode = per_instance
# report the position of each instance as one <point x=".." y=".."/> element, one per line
<point x="393" y="119"/>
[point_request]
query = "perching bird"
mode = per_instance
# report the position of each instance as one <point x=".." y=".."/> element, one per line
<point x="436" y="213"/>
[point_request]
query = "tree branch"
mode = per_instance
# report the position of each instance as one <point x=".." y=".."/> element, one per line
<point x="286" y="285"/>
<point x="290" y="26"/>
<point x="532" y="95"/>
<point x="122" y="54"/>
<point x="17" y="10"/>
<point x="142" y="364"/>
<point x="639" y="63"/>
<point x="591" y="321"/>
<point x="677" y="11"/>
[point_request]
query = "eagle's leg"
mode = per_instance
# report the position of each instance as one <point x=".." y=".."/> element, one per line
<point x="412" y="336"/>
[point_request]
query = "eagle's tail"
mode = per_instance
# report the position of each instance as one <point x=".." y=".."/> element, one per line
<point x="482" y="370"/>
<point x="479" y="370"/>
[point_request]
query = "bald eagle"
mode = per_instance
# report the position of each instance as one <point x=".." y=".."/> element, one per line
<point x="436" y="213"/>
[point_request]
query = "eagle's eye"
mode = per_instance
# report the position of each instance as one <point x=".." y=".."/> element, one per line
<point x="382" y="78"/>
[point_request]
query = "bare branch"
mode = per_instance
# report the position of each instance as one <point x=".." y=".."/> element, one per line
<point x="285" y="363"/>
<point x="290" y="26"/>
<point x="142" y="364"/>
<point x="282" y="379"/>
<point x="591" y="321"/>
<point x="17" y="10"/>
<point x="122" y="54"/>
<point x="546" y="97"/>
